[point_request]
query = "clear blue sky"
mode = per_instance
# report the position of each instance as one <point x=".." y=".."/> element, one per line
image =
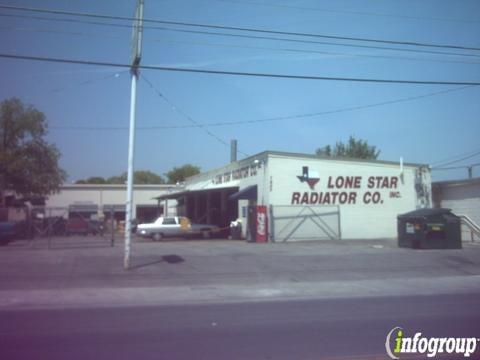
<point x="426" y="130"/>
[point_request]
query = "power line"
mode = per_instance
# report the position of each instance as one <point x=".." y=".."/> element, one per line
<point x="88" y="82"/>
<point x="109" y="36"/>
<point x="304" y="51"/>
<point x="363" y="13"/>
<point x="456" y="161"/>
<point x="111" y="17"/>
<point x="269" y="38"/>
<point x="322" y="113"/>
<point x="315" y="42"/>
<point x="237" y="73"/>
<point x="61" y="32"/>
<point x="456" y="167"/>
<point x="188" y="117"/>
<point x="454" y="157"/>
<point x="272" y="119"/>
<point x="69" y="20"/>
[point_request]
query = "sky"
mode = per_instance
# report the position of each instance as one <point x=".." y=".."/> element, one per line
<point x="87" y="107"/>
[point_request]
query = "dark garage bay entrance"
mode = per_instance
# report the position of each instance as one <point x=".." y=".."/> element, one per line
<point x="211" y="206"/>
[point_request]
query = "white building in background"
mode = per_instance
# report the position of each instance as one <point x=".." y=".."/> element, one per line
<point x="463" y="197"/>
<point x="306" y="197"/>
<point x="105" y="198"/>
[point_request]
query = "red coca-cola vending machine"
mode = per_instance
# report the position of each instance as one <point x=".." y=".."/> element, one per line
<point x="258" y="223"/>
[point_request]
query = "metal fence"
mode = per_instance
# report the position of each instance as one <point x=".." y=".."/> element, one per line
<point x="297" y="222"/>
<point x="52" y="226"/>
<point x="470" y="229"/>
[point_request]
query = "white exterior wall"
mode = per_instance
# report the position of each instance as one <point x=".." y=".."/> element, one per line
<point x="276" y="177"/>
<point x="109" y="195"/>
<point x="359" y="220"/>
<point x="463" y="199"/>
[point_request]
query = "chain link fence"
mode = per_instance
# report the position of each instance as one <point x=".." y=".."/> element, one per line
<point x="41" y="226"/>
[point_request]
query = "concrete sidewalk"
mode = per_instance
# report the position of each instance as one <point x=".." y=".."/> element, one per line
<point x="88" y="272"/>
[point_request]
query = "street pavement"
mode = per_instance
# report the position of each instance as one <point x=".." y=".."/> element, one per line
<point x="349" y="329"/>
<point x="88" y="272"/>
<point x="221" y="299"/>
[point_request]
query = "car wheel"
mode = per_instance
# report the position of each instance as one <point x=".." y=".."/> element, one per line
<point x="157" y="237"/>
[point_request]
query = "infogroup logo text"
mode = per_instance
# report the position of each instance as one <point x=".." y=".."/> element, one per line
<point x="397" y="344"/>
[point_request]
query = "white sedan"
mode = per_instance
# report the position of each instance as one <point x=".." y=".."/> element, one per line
<point x="177" y="226"/>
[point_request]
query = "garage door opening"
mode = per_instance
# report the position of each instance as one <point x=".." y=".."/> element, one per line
<point x="148" y="213"/>
<point x="211" y="206"/>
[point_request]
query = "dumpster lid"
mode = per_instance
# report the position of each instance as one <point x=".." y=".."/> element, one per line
<point x="426" y="212"/>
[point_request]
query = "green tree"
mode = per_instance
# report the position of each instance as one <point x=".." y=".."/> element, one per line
<point x="180" y="174"/>
<point x="121" y="179"/>
<point x="325" y="151"/>
<point x="355" y="148"/>
<point x="140" y="177"/>
<point x="147" y="177"/>
<point x="28" y="163"/>
<point x="96" y="180"/>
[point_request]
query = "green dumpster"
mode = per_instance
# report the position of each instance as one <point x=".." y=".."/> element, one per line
<point x="429" y="229"/>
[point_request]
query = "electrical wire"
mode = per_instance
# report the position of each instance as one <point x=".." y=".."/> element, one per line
<point x="304" y="51"/>
<point x="62" y="32"/>
<point x="244" y="36"/>
<point x="188" y="117"/>
<point x="315" y="114"/>
<point x="272" y="119"/>
<point x="456" y="161"/>
<point x="210" y="26"/>
<point x="363" y="13"/>
<point x="88" y="82"/>
<point x="290" y="50"/>
<point x="315" y="42"/>
<point x="456" y="167"/>
<point x="69" y="20"/>
<point x="238" y="73"/>
<point x="454" y="157"/>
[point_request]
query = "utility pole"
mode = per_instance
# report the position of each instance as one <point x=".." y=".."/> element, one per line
<point x="470" y="173"/>
<point x="136" y="57"/>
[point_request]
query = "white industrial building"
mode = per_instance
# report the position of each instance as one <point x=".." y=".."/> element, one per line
<point x="463" y="197"/>
<point x="302" y="197"/>
<point x="106" y="199"/>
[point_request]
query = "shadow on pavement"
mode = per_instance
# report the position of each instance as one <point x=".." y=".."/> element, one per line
<point x="169" y="259"/>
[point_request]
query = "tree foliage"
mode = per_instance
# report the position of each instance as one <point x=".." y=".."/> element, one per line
<point x="140" y="177"/>
<point x="95" y="180"/>
<point x="177" y="174"/>
<point x="28" y="163"/>
<point x="359" y="149"/>
<point x="181" y="173"/>
<point x="147" y="177"/>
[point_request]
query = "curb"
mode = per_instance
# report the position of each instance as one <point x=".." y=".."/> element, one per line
<point x="181" y="295"/>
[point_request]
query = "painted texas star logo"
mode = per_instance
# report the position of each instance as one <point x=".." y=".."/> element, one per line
<point x="310" y="177"/>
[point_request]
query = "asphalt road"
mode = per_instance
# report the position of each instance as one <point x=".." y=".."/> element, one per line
<point x="353" y="328"/>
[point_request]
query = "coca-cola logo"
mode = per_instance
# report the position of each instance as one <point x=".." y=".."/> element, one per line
<point x="261" y="223"/>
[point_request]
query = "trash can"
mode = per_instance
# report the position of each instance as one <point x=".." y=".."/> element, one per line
<point x="429" y="229"/>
